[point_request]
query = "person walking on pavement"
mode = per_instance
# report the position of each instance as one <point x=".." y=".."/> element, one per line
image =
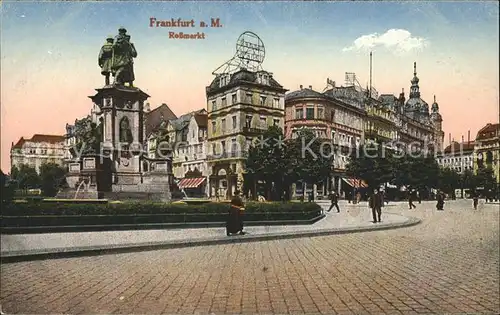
<point x="334" y="198"/>
<point x="410" y="201"/>
<point x="234" y="222"/>
<point x="375" y="203"/>
<point x="475" y="199"/>
<point x="440" y="201"/>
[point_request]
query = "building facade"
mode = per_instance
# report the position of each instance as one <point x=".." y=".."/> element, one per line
<point x="38" y="150"/>
<point x="336" y="115"/>
<point x="241" y="106"/>
<point x="458" y="157"/>
<point x="487" y="149"/>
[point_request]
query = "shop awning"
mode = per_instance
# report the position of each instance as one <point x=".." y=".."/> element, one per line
<point x="354" y="182"/>
<point x="191" y="182"/>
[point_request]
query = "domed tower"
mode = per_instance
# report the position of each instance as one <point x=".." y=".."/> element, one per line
<point x="413" y="107"/>
<point x="437" y="121"/>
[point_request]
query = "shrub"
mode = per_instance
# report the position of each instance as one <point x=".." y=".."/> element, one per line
<point x="61" y="208"/>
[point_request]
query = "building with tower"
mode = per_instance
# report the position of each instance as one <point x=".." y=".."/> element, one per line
<point x="242" y="101"/>
<point x="487" y="150"/>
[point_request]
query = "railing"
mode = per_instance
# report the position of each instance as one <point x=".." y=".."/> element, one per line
<point x="253" y="130"/>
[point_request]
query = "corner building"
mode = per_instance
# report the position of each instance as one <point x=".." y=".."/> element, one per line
<point x="241" y="106"/>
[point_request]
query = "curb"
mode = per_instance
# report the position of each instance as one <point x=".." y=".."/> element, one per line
<point x="13" y="230"/>
<point x="57" y="253"/>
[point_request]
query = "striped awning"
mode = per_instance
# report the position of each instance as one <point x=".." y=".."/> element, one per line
<point x="191" y="182"/>
<point x="354" y="182"/>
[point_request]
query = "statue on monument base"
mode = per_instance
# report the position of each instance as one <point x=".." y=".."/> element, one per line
<point x="116" y="58"/>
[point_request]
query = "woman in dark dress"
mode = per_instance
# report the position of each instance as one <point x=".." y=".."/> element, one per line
<point x="234" y="222"/>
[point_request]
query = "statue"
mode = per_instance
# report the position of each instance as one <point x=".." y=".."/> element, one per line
<point x="122" y="60"/>
<point x="88" y="137"/>
<point x="125" y="132"/>
<point x="105" y="58"/>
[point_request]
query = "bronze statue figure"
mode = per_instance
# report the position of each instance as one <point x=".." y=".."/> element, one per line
<point x="122" y="60"/>
<point x="105" y="58"/>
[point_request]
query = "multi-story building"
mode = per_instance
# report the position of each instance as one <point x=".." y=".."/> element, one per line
<point x="190" y="169"/>
<point x="241" y="105"/>
<point x="38" y="150"/>
<point x="457" y="156"/>
<point x="487" y="149"/>
<point x="336" y="115"/>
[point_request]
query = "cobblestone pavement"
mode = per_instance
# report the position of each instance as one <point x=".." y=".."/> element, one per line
<point x="447" y="264"/>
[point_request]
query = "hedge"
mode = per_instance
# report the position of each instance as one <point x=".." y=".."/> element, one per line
<point x="136" y="208"/>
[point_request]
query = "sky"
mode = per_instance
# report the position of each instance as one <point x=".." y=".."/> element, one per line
<point x="49" y="54"/>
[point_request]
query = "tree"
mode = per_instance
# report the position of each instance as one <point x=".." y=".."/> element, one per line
<point x="7" y="190"/>
<point x="26" y="176"/>
<point x="371" y="163"/>
<point x="449" y="180"/>
<point x="267" y="161"/>
<point x="310" y="158"/>
<point x="53" y="177"/>
<point x="415" y="171"/>
<point x="486" y="178"/>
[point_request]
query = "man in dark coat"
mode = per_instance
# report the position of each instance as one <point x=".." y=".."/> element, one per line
<point x="475" y="199"/>
<point x="334" y="198"/>
<point x="410" y="200"/>
<point x="440" y="200"/>
<point x="375" y="203"/>
<point x="235" y="217"/>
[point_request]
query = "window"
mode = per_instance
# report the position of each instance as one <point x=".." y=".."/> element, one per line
<point x="276" y="122"/>
<point x="320" y="113"/>
<point x="310" y="113"/>
<point x="214" y="126"/>
<point x="224" y="102"/>
<point x="214" y="149"/>
<point x="276" y="103"/>
<point x="223" y="146"/>
<point x="262" y="101"/>
<point x="332" y="115"/>
<point x="214" y="105"/>
<point x="248" y="143"/>
<point x="248" y="121"/>
<point x="234" y="145"/>
<point x="263" y="123"/>
<point x="249" y="98"/>
<point x="234" y="122"/>
<point x="299" y="113"/>
<point x="233" y="99"/>
<point x="193" y="134"/>
<point x="223" y="127"/>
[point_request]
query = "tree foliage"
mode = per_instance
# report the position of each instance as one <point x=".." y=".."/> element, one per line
<point x="277" y="162"/>
<point x="486" y="178"/>
<point x="371" y="163"/>
<point x="52" y="178"/>
<point x="26" y="176"/>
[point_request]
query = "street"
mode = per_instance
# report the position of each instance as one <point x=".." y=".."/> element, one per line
<point x="447" y="264"/>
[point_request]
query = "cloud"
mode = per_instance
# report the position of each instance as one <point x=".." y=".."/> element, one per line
<point x="398" y="39"/>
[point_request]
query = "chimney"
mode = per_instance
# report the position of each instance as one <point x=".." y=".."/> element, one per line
<point x="301" y="87"/>
<point x="310" y="87"/>
<point x="468" y="137"/>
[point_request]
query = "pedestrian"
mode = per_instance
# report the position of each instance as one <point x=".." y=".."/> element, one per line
<point x="375" y="203"/>
<point x="410" y="201"/>
<point x="334" y="198"/>
<point x="475" y="199"/>
<point x="440" y="201"/>
<point x="234" y="222"/>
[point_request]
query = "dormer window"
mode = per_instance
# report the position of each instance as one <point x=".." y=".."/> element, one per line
<point x="265" y="79"/>
<point x="224" y="80"/>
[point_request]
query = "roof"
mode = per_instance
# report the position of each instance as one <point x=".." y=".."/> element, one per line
<point x="488" y="131"/>
<point x="388" y="99"/>
<point x="304" y="93"/>
<point x="39" y="138"/>
<point x="242" y="76"/>
<point x="181" y="122"/>
<point x="201" y="120"/>
<point x="157" y="115"/>
<point x="457" y="147"/>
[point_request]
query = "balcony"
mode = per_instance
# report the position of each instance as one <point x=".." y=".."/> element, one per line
<point x="249" y="130"/>
<point x="228" y="155"/>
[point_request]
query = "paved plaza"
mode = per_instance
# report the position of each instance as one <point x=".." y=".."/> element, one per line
<point x="449" y="263"/>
